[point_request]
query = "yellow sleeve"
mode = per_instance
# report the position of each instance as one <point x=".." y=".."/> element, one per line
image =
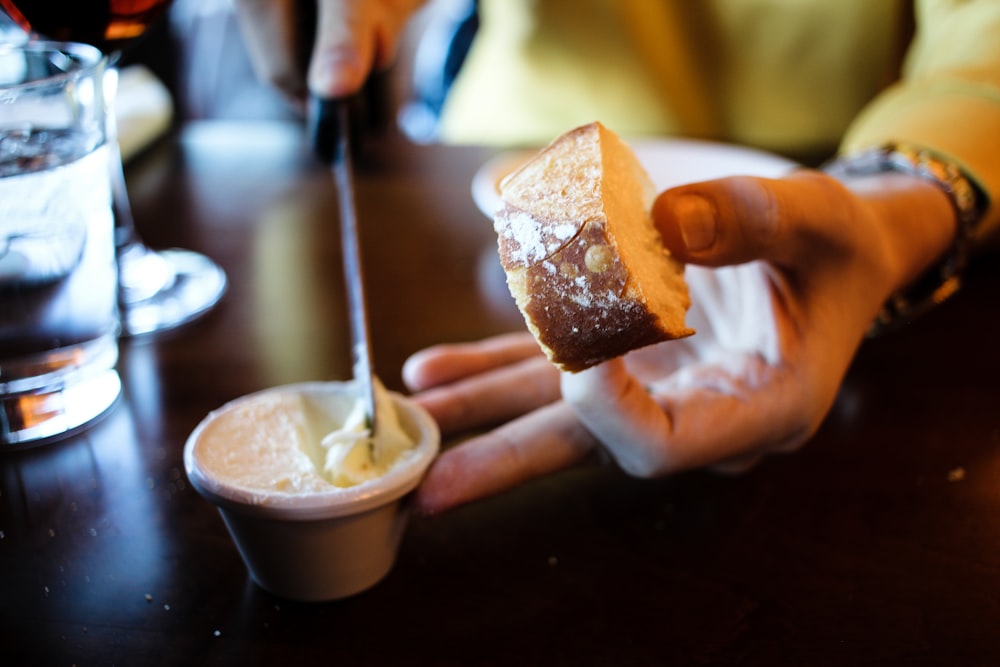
<point x="948" y="99"/>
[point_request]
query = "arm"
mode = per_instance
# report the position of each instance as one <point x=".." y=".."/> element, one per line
<point x="948" y="98"/>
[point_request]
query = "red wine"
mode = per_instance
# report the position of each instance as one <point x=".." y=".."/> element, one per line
<point x="107" y="24"/>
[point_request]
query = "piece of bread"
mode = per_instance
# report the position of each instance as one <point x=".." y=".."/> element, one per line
<point x="584" y="262"/>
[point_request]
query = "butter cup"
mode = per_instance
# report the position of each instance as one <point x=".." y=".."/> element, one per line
<point x="319" y="545"/>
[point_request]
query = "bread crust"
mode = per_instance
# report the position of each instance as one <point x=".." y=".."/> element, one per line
<point x="562" y="239"/>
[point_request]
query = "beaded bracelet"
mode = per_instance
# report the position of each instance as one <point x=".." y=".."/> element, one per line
<point x="943" y="280"/>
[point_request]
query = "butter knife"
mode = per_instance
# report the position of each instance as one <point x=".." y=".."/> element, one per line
<point x="329" y="130"/>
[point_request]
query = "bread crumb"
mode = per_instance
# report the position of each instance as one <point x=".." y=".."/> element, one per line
<point x="956" y="474"/>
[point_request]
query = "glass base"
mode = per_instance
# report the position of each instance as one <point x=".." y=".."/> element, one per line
<point x="32" y="418"/>
<point x="188" y="285"/>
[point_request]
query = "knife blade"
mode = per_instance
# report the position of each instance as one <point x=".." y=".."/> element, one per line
<point x="330" y="137"/>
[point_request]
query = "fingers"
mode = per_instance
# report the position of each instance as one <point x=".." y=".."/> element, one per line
<point x="344" y="51"/>
<point x="489" y="398"/>
<point x="353" y="38"/>
<point x="740" y="219"/>
<point x="540" y="443"/>
<point x="446" y="363"/>
<point x="350" y="39"/>
<point x="472" y="385"/>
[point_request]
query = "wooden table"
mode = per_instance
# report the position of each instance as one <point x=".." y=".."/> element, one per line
<point x="877" y="544"/>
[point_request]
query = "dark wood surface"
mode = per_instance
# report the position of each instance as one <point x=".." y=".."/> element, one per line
<point x="877" y="544"/>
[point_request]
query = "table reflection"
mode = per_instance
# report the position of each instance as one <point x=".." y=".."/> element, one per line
<point x="79" y="510"/>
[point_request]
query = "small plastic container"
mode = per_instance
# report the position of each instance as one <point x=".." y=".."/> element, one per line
<point x="317" y="544"/>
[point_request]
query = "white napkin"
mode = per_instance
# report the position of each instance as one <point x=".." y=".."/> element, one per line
<point x="144" y="109"/>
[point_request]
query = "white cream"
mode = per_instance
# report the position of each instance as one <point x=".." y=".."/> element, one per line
<point x="352" y="456"/>
<point x="300" y="442"/>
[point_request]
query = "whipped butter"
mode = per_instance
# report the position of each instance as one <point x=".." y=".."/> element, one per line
<point x="298" y="442"/>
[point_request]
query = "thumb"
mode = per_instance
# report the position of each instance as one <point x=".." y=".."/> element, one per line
<point x="741" y="218"/>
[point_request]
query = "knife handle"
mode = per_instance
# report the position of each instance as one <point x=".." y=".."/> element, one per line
<point x="327" y="124"/>
<point x="369" y="111"/>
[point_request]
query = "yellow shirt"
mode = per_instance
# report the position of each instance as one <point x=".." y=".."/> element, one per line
<point x="797" y="77"/>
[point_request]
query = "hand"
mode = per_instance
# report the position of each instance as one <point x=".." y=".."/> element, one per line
<point x="353" y="38"/>
<point x="792" y="271"/>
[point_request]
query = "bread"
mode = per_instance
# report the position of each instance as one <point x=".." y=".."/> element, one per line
<point x="584" y="262"/>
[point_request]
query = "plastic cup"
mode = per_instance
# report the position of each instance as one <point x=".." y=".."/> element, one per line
<point x="317" y="544"/>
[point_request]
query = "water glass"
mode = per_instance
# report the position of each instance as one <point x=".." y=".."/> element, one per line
<point x="58" y="301"/>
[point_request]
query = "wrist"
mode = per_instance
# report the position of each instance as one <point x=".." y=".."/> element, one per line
<point x="930" y="212"/>
<point x="915" y="221"/>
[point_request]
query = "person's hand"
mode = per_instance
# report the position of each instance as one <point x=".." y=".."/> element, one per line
<point x="792" y="273"/>
<point x="352" y="39"/>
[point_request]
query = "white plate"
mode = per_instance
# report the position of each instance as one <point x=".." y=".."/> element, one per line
<point x="670" y="162"/>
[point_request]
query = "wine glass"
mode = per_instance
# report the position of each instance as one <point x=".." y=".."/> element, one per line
<point x="158" y="290"/>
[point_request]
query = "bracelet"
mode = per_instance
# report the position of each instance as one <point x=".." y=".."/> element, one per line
<point x="943" y="280"/>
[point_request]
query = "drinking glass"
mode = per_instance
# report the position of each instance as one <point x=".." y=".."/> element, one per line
<point x="58" y="293"/>
<point x="158" y="290"/>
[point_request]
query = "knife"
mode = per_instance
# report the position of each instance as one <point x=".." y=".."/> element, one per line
<point x="329" y="130"/>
